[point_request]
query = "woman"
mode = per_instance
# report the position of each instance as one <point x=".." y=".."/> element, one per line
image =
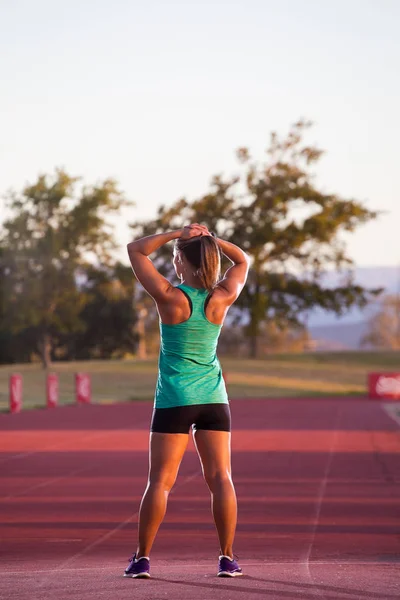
<point x="190" y="389"/>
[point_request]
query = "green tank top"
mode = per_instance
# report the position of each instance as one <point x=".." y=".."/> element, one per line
<point x="189" y="370"/>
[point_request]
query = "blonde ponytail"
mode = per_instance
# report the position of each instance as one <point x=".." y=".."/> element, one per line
<point x="210" y="262"/>
<point x="203" y="253"/>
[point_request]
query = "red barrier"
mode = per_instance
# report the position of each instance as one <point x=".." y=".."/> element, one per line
<point x="82" y="388"/>
<point x="52" y="390"/>
<point x="15" y="393"/>
<point x="384" y="386"/>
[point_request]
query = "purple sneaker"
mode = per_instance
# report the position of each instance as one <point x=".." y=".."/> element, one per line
<point x="138" y="568"/>
<point x="228" y="567"/>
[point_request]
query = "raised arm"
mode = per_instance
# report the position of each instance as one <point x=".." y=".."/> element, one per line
<point x="153" y="282"/>
<point x="235" y="277"/>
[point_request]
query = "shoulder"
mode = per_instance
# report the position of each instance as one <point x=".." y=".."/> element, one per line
<point x="218" y="303"/>
<point x="222" y="295"/>
<point x="171" y="295"/>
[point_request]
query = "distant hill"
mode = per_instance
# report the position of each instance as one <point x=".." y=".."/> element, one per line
<point x="371" y="277"/>
<point x="339" y="333"/>
<point x="342" y="336"/>
<point x="387" y="277"/>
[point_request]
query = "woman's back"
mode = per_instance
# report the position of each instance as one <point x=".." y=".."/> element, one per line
<point x="189" y="370"/>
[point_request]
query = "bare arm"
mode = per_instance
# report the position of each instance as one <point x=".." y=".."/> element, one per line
<point x="153" y="282"/>
<point x="235" y="277"/>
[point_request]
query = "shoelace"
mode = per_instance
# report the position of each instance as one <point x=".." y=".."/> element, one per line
<point x="132" y="557"/>
<point x="235" y="557"/>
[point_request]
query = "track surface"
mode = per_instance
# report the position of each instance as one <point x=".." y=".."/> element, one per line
<point x="318" y="484"/>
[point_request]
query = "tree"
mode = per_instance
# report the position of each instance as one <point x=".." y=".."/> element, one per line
<point x="384" y="326"/>
<point x="56" y="230"/>
<point x="108" y="316"/>
<point x="147" y="325"/>
<point x="291" y="229"/>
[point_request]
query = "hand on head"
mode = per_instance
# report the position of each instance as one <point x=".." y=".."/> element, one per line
<point x="194" y="230"/>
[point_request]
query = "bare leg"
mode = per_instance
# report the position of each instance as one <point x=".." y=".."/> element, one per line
<point x="166" y="453"/>
<point x="213" y="448"/>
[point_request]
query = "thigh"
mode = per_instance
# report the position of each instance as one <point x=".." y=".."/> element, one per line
<point x="166" y="453"/>
<point x="177" y="419"/>
<point x="214" y="450"/>
<point x="213" y="417"/>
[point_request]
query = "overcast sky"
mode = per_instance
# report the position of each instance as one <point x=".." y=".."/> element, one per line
<point x="159" y="94"/>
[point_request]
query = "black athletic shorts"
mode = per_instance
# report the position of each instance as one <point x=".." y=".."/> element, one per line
<point x="179" y="419"/>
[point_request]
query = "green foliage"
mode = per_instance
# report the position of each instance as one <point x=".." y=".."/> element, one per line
<point x="55" y="231"/>
<point x="290" y="228"/>
<point x="108" y="316"/>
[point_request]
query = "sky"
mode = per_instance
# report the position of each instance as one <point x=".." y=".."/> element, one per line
<point x="159" y="94"/>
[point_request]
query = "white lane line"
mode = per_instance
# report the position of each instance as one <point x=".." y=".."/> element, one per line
<point x="320" y="497"/>
<point x="321" y="494"/>
<point x="97" y="434"/>
<point x="109" y="534"/>
<point x="186" y="480"/>
<point x="392" y="409"/>
<point x="52" y="447"/>
<point x="43" y="484"/>
<point x="94" y="544"/>
<point x="62" y="540"/>
<point x="17" y="456"/>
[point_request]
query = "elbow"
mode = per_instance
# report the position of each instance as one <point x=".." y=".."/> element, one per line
<point x="135" y="249"/>
<point x="242" y="259"/>
<point x="131" y="247"/>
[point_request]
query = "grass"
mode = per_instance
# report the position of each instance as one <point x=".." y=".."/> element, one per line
<point x="317" y="374"/>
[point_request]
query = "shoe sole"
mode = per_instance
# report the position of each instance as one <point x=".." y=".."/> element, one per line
<point x="138" y="576"/>
<point x="228" y="574"/>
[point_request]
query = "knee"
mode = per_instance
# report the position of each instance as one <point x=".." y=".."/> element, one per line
<point x="162" y="480"/>
<point x="217" y="479"/>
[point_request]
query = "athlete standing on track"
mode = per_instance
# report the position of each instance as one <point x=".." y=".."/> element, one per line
<point x="190" y="388"/>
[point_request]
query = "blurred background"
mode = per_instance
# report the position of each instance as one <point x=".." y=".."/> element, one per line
<point x="275" y="124"/>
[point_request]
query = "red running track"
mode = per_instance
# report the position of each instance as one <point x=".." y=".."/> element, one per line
<point x="318" y="484"/>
